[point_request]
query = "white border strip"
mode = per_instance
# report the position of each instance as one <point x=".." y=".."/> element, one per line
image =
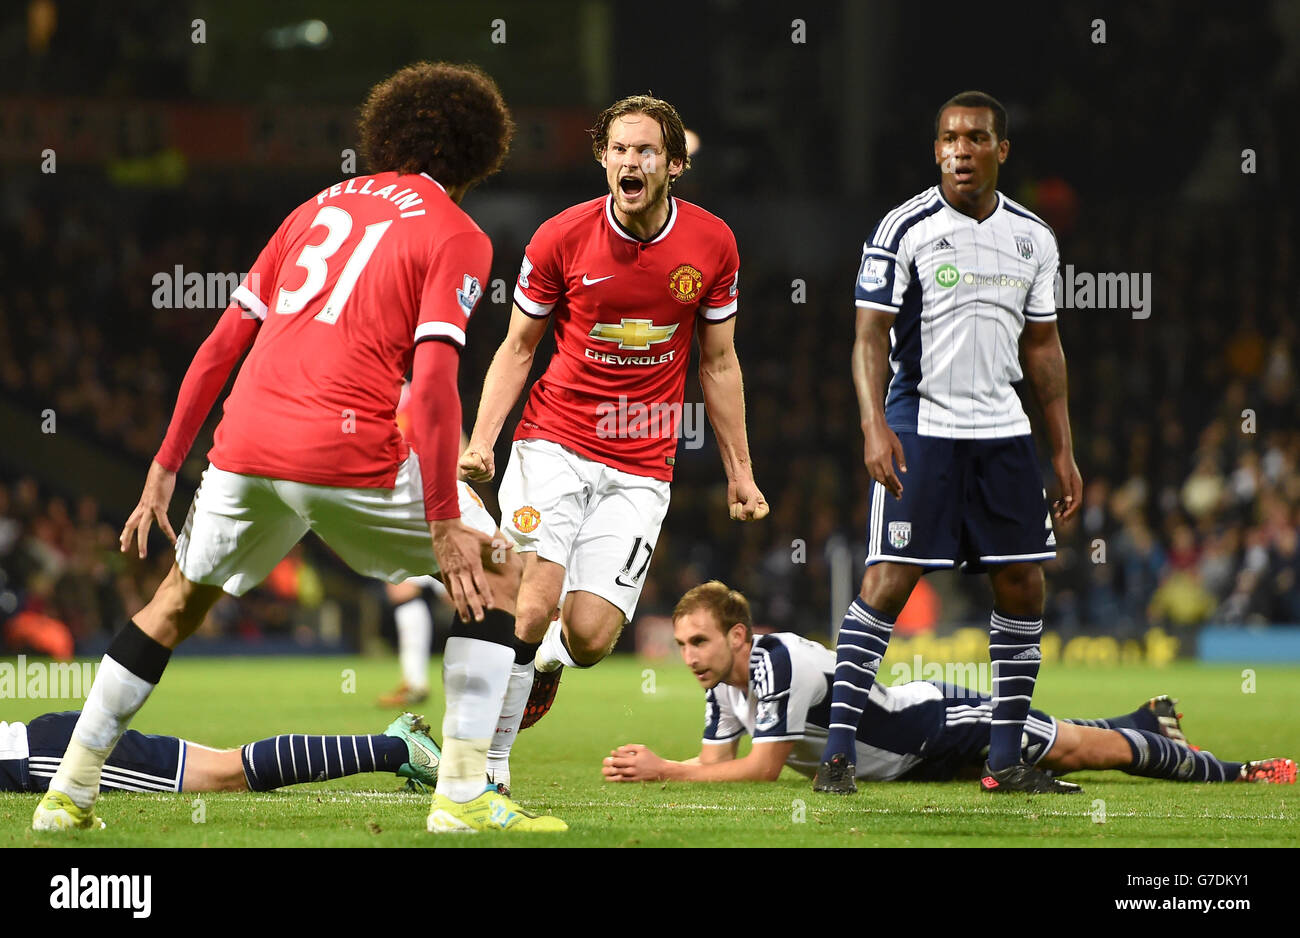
<point x="241" y="294"/>
<point x="532" y="307"/>
<point x="719" y="313"/>
<point x="429" y="330"/>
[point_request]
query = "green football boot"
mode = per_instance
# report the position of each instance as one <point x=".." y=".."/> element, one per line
<point x="423" y="753"/>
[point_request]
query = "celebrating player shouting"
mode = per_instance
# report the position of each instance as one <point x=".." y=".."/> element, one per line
<point x="625" y="278"/>
<point x="370" y="277"/>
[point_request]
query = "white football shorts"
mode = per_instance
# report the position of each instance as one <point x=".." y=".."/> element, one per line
<point x="599" y="523"/>
<point x="239" y="526"/>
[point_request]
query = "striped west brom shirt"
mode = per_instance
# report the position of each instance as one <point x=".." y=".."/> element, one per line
<point x="789" y="699"/>
<point x="961" y="291"/>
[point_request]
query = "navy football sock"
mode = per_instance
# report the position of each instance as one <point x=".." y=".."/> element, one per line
<point x="291" y="760"/>
<point x="864" y="636"/>
<point x="1157" y="757"/>
<point x="1013" y="650"/>
<point x="1140" y="719"/>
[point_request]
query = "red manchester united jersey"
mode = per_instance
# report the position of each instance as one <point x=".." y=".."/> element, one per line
<point x="349" y="283"/>
<point x="624" y="312"/>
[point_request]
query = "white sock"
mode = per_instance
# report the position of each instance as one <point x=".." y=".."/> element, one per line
<point x="114" y="698"/>
<point x="475" y="675"/>
<point x="552" y="654"/>
<point x="414" y="640"/>
<point x="512" y="714"/>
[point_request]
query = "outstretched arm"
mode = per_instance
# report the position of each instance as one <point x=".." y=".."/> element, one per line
<point x="724" y="398"/>
<point x="501" y="387"/>
<point x="1045" y="369"/>
<point x="881" y="447"/>
<point x="204" y="379"/>
<point x="637" y="763"/>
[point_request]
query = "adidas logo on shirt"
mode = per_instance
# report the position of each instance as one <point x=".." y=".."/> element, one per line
<point x="943" y="245"/>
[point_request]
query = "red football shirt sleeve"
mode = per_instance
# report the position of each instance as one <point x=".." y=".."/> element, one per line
<point x="453" y="287"/>
<point x="216" y="357"/>
<point x="256" y="291"/>
<point x="204" y="379"/>
<point x="541" y="280"/>
<point x="435" y="426"/>
<point x="720" y="303"/>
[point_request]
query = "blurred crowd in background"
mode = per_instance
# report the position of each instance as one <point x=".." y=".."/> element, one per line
<point x="1185" y="423"/>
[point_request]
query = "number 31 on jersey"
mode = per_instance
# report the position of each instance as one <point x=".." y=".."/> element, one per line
<point x="314" y="257"/>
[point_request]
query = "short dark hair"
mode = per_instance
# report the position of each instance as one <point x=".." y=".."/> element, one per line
<point x="446" y="120"/>
<point x="729" y="606"/>
<point x="670" y="122"/>
<point x="976" y="99"/>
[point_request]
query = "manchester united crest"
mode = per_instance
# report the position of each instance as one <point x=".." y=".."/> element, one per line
<point x="685" y="283"/>
<point x="526" y="518"/>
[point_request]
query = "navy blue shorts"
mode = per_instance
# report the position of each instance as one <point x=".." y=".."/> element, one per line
<point x="138" y="763"/>
<point x="971" y="503"/>
<point x="962" y="741"/>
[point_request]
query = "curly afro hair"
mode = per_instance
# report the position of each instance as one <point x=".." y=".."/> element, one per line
<point x="446" y="120"/>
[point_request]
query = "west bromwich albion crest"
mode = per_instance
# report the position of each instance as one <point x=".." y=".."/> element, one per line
<point x="900" y="534"/>
<point x="1025" y="245"/>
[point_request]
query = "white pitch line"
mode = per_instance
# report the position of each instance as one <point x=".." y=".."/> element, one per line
<point x="962" y="810"/>
<point x="560" y="805"/>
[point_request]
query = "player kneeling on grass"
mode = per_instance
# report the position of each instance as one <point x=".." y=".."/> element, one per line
<point x="369" y="278"/>
<point x="30" y="755"/>
<point x="777" y="688"/>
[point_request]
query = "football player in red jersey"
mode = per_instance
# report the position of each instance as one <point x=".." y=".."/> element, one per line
<point x="369" y="278"/>
<point x="627" y="278"/>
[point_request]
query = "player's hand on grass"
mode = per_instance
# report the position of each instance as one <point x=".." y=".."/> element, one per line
<point x="632" y="763"/>
<point x="745" y="501"/>
<point x="458" y="549"/>
<point x="477" y="463"/>
<point x="880" y="452"/>
<point x="1067" y="476"/>
<point x="157" y="495"/>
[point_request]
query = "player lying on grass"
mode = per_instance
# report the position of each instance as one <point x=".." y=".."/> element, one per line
<point x="777" y="689"/>
<point x="30" y="754"/>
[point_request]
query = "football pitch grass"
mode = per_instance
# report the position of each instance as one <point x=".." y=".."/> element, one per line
<point x="556" y="768"/>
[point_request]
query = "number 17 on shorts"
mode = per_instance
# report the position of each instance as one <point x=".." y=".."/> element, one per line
<point x="635" y="561"/>
<point x="600" y="523"/>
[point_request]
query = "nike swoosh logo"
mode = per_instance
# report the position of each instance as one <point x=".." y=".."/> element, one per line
<point x="586" y="281"/>
<point x="619" y="580"/>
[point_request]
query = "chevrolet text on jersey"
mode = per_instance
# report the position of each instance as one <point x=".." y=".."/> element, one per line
<point x="625" y="312"/>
